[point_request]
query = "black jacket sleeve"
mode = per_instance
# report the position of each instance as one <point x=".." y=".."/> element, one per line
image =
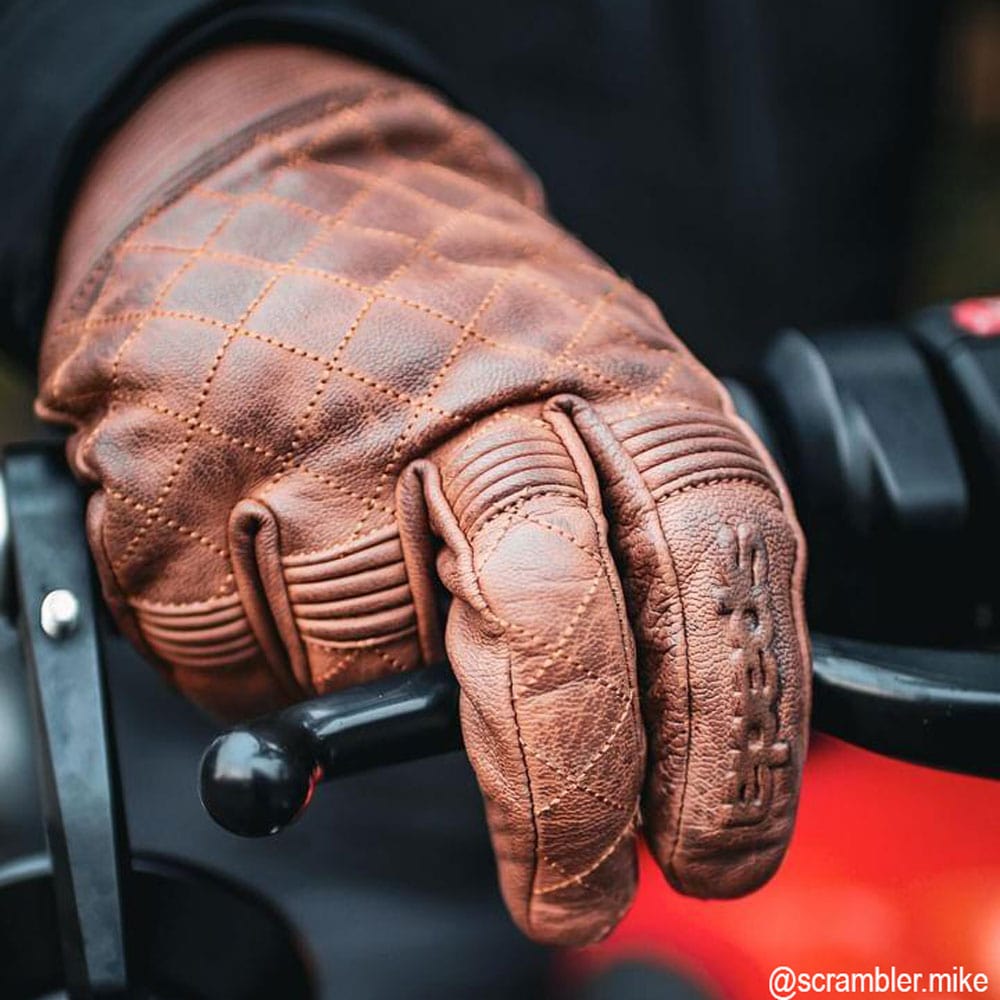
<point x="71" y="71"/>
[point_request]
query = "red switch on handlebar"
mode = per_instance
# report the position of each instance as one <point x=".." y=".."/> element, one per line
<point x="980" y="317"/>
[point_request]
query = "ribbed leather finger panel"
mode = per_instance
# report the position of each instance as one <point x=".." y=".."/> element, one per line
<point x="354" y="595"/>
<point x="679" y="448"/>
<point x="513" y="458"/>
<point x="208" y="634"/>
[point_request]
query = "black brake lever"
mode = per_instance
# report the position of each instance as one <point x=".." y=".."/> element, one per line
<point x="926" y="706"/>
<point x="258" y="778"/>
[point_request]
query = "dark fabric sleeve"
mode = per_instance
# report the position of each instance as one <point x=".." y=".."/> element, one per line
<point x="71" y="71"/>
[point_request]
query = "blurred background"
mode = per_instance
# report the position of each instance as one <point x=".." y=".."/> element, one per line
<point x="891" y="863"/>
<point x="956" y="243"/>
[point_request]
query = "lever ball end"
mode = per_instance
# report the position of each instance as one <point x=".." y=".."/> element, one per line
<point x="254" y="784"/>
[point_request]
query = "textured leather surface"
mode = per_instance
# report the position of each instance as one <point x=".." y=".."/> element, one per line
<point x="342" y="354"/>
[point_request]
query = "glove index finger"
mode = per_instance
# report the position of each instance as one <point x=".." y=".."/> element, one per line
<point x="540" y="643"/>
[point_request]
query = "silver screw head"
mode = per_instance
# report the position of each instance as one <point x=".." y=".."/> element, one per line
<point x="60" y="614"/>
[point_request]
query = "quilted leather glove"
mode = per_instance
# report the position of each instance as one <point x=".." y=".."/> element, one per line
<point x="322" y="348"/>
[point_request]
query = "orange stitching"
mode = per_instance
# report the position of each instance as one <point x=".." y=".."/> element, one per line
<point x="316" y="215"/>
<point x="167" y="522"/>
<point x="352" y="374"/>
<point x="300" y="352"/>
<point x="596" y="757"/>
<point x="331" y="365"/>
<point x="322" y="217"/>
<point x="291" y="159"/>
<point x="580" y="877"/>
<point x="467" y="330"/>
<point x="485" y="426"/>
<point x="338" y="667"/>
<point x="623" y="694"/>
<point x="358" y="644"/>
<point x="518" y="350"/>
<point x="568" y="629"/>
<point x="143" y="222"/>
<point x="662" y="383"/>
<point x="466" y="456"/>
<point x="607" y="273"/>
<point x="497" y="476"/>
<point x="482" y="558"/>
<point x="743" y="480"/>
<point x="627" y="697"/>
<point x="566" y="776"/>
<point x="592" y="553"/>
<point x="202" y="397"/>
<point x="391" y="660"/>
<point x="523" y="350"/>
<point x="435" y="203"/>
<point x="202" y="606"/>
<point x="161" y="294"/>
<point x="332" y="547"/>
<point x="615" y="919"/>
<point x="594" y="311"/>
<point x="251" y="446"/>
<point x="78" y="325"/>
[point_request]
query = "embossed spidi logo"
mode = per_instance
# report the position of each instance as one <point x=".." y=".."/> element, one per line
<point x="744" y="600"/>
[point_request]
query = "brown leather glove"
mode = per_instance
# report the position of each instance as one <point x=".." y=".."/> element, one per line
<point x="321" y="346"/>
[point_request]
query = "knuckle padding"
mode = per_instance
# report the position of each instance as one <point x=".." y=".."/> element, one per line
<point x="678" y="448"/>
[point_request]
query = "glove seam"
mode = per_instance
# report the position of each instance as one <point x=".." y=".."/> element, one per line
<point x="768" y="493"/>
<point x="262" y="587"/>
<point x="602" y="442"/>
<point x="536" y="845"/>
<point x="561" y="424"/>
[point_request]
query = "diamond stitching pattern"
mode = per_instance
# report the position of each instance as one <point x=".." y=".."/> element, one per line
<point x="309" y="302"/>
<point x="292" y="199"/>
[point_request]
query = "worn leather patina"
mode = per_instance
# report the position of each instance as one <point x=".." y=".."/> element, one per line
<point x="323" y="350"/>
